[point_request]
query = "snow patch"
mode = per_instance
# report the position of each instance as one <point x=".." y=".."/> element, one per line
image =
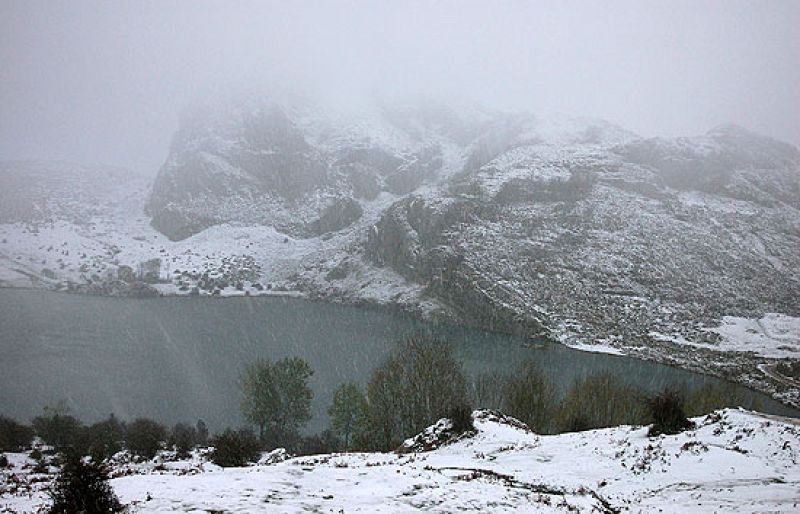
<point x="774" y="335"/>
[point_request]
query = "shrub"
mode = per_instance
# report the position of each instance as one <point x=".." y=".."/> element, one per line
<point x="57" y="428"/>
<point x="600" y="401"/>
<point x="530" y="397"/>
<point x="14" y="437"/>
<point x="574" y="423"/>
<point x="103" y="439"/>
<point x="275" y="437"/>
<point x="235" y="448"/>
<point x="385" y="396"/>
<point x="349" y="413"/>
<point x="202" y="433"/>
<point x="461" y="417"/>
<point x="666" y="411"/>
<point x="703" y="400"/>
<point x="487" y="390"/>
<point x="325" y="442"/>
<point x="183" y="438"/>
<point x="144" y="437"/>
<point x="413" y="388"/>
<point x="42" y="465"/>
<point x="82" y="487"/>
<point x="277" y="398"/>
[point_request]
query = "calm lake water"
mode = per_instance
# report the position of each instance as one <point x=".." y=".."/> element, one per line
<point x="179" y="359"/>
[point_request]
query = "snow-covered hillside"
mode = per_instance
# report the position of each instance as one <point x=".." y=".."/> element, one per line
<point x="571" y="229"/>
<point x="733" y="461"/>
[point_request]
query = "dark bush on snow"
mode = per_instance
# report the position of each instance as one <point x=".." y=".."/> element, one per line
<point x="103" y="439"/>
<point x="414" y="387"/>
<point x="530" y="397"/>
<point x="36" y="454"/>
<point x="201" y="432"/>
<point x="82" y="487"/>
<point x="144" y="437"/>
<point x="14" y="437"/>
<point x="666" y="411"/>
<point x="599" y="401"/>
<point x="58" y="429"/>
<point x="183" y="438"/>
<point x="235" y="448"/>
<point x="575" y="423"/>
<point x="709" y="398"/>
<point x="325" y="442"/>
<point x="461" y="417"/>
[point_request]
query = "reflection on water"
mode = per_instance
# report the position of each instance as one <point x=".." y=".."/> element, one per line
<point x="179" y="359"/>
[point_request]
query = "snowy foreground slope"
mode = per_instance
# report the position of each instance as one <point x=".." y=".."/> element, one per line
<point x="734" y="461"/>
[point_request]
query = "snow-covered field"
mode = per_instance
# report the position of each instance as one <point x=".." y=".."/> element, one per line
<point x="774" y="335"/>
<point x="733" y="461"/>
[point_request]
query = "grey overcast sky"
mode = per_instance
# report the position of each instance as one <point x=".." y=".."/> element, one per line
<point x="104" y="81"/>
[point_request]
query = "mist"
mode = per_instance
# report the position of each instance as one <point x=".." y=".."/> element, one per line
<point x="518" y="256"/>
<point x="105" y="81"/>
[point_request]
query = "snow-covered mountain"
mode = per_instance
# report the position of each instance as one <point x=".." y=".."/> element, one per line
<point x="732" y="461"/>
<point x="570" y="228"/>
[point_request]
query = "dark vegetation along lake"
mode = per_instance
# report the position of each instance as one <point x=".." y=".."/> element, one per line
<point x="179" y="359"/>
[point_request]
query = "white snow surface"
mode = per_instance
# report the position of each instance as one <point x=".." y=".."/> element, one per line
<point x="733" y="461"/>
<point x="774" y="335"/>
<point x="596" y="348"/>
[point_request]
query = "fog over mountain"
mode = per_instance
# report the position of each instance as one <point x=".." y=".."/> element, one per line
<point x="399" y="256"/>
<point x="95" y="81"/>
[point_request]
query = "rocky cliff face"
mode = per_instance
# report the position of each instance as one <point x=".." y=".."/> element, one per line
<point x="604" y="239"/>
<point x="255" y="168"/>
<point x="294" y="169"/>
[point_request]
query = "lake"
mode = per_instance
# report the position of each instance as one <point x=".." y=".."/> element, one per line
<point x="179" y="358"/>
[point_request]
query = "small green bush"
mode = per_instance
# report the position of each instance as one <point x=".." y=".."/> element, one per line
<point x="530" y="397"/>
<point x="58" y="429"/>
<point x="349" y="413"/>
<point x="413" y="388"/>
<point x="14" y="437"/>
<point x="666" y="411"/>
<point x="183" y="438"/>
<point x="144" y="437"/>
<point x="461" y="417"/>
<point x="324" y="442"/>
<point x="486" y="391"/>
<point x="234" y="448"/>
<point x="103" y="439"/>
<point x="600" y="401"/>
<point x="82" y="487"/>
<point x="201" y="431"/>
<point x="703" y="400"/>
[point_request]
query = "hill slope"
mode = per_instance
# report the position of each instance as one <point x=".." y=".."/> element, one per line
<point x="572" y="229"/>
<point x="734" y="461"/>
